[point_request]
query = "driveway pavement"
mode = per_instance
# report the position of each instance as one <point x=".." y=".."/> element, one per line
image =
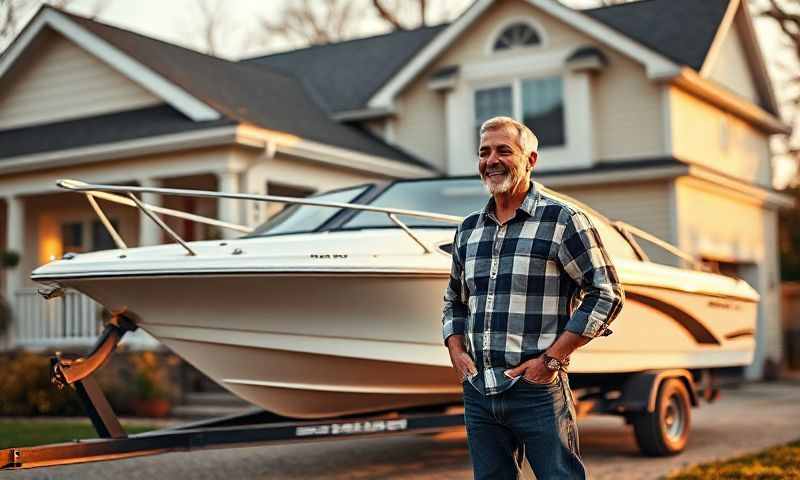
<point x="748" y="419"/>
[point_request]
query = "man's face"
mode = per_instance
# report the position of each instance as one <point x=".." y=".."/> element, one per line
<point x="502" y="164"/>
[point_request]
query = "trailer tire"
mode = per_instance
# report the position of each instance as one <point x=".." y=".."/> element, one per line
<point x="665" y="430"/>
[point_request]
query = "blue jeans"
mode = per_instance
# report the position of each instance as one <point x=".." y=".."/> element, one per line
<point x="539" y="418"/>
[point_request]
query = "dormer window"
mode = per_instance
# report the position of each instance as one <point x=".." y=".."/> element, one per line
<point x="536" y="102"/>
<point x="517" y="35"/>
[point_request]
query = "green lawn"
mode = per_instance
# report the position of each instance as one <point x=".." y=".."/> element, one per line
<point x="26" y="433"/>
<point x="777" y="463"/>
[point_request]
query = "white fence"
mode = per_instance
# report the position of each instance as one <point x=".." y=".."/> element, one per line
<point x="73" y="320"/>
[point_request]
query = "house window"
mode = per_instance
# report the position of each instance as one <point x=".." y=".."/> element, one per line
<point x="541" y="107"/>
<point x="72" y="237"/>
<point x="517" y="35"/>
<point x="101" y="239"/>
<point x="492" y="102"/>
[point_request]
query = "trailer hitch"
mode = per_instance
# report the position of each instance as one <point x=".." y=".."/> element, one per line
<point x="68" y="369"/>
<point x="76" y="371"/>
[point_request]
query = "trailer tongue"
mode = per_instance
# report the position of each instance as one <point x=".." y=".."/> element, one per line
<point x="257" y="427"/>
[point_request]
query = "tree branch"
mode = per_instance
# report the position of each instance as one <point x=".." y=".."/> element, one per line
<point x="387" y="15"/>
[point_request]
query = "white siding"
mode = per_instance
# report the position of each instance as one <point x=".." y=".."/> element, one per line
<point x="732" y="227"/>
<point x="730" y="68"/>
<point x="705" y="135"/>
<point x="624" y="129"/>
<point x="57" y="80"/>
<point x="646" y="205"/>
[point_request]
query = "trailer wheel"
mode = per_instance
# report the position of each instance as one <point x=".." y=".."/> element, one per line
<point x="665" y="431"/>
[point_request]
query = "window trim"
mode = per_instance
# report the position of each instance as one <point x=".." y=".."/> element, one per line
<point x="515" y="82"/>
<point x="544" y="39"/>
<point x="578" y="150"/>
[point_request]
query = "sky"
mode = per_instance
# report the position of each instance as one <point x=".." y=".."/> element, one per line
<point x="179" y="22"/>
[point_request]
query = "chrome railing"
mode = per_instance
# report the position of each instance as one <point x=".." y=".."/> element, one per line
<point x="106" y="192"/>
<point x="73" y="320"/>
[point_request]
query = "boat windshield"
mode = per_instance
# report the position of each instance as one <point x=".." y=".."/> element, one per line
<point x="458" y="197"/>
<point x="307" y="218"/>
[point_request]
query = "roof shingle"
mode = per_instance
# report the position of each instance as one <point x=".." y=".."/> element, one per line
<point x="246" y="93"/>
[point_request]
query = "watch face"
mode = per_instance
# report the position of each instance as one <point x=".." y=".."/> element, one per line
<point x="552" y="364"/>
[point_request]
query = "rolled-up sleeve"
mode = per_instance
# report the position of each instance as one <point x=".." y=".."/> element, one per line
<point x="455" y="311"/>
<point x="585" y="260"/>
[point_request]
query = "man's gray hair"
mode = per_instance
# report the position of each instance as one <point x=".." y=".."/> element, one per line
<point x="526" y="140"/>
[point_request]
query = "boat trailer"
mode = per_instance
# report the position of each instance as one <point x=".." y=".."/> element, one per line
<point x="255" y="427"/>
<point x="656" y="402"/>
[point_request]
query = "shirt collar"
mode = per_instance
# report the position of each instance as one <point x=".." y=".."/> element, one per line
<point x="527" y="206"/>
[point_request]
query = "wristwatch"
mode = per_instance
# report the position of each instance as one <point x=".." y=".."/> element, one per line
<point x="553" y="363"/>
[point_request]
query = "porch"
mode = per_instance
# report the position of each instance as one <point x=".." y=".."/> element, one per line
<point x="70" y="322"/>
<point x="46" y="225"/>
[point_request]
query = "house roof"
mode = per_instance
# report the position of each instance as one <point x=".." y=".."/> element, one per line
<point x="248" y="93"/>
<point x="345" y="75"/>
<point x="681" y="30"/>
<point x="241" y="93"/>
<point x="100" y="129"/>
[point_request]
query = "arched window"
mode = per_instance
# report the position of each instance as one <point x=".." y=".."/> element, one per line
<point x="517" y="35"/>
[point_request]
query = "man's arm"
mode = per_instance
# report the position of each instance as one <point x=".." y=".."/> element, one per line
<point x="454" y="318"/>
<point x="585" y="260"/>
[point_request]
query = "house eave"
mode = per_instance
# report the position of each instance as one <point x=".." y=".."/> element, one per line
<point x="118" y="150"/>
<point x="752" y="193"/>
<point x="363" y="114"/>
<point x="690" y="81"/>
<point x="334" y="156"/>
<point x="634" y="174"/>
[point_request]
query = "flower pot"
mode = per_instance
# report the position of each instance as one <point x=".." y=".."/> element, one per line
<point x="154" y="407"/>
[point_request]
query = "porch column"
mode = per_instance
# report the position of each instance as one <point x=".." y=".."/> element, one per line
<point x="254" y="180"/>
<point x="15" y="241"/>
<point x="228" y="210"/>
<point x="149" y="232"/>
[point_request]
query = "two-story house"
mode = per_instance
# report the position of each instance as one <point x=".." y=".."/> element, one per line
<point x="657" y="112"/>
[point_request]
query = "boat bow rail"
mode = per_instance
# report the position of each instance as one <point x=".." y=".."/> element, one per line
<point x="108" y="192"/>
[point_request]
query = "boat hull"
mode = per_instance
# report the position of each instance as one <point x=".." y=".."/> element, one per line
<point x="322" y="345"/>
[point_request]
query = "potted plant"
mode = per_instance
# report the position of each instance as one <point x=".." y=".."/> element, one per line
<point x="150" y="396"/>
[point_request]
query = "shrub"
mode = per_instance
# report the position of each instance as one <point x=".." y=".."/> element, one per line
<point x="26" y="390"/>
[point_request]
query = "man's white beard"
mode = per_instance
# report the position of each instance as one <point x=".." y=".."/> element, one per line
<point x="511" y="180"/>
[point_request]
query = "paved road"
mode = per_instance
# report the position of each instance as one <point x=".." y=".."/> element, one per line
<point x="744" y="420"/>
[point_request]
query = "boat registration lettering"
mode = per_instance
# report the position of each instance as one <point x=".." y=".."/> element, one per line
<point x="374" y="426"/>
<point x="328" y="255"/>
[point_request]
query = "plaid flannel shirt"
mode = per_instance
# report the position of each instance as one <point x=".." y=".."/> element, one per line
<point x="514" y="288"/>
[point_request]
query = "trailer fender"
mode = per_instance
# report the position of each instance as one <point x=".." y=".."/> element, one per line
<point x="640" y="391"/>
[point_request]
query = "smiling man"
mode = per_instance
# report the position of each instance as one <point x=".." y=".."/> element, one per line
<point x="509" y="320"/>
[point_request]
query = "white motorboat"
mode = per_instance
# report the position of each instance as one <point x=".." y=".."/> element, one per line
<point x="333" y="307"/>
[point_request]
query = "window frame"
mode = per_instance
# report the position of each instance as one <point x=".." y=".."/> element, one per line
<point x="515" y="82"/>
<point x="544" y="39"/>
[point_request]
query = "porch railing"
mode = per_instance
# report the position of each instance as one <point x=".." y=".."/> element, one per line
<point x="69" y="321"/>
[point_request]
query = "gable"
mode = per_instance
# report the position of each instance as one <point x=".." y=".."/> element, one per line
<point x="440" y="124"/>
<point x="731" y="69"/>
<point x="58" y="80"/>
<point x="657" y="66"/>
<point x="475" y="43"/>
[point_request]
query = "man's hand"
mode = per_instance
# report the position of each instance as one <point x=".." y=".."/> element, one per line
<point x="533" y="371"/>
<point x="459" y="357"/>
